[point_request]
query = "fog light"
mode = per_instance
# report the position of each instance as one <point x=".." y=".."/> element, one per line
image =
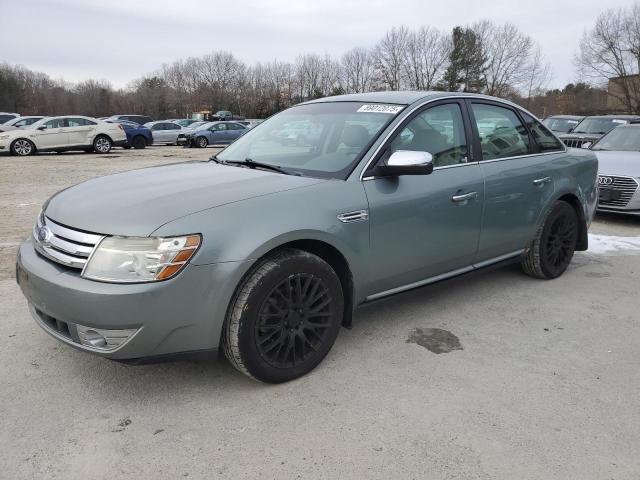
<point x="94" y="339"/>
<point x="104" y="339"/>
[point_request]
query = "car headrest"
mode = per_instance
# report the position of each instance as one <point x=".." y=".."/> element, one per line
<point x="355" y="136"/>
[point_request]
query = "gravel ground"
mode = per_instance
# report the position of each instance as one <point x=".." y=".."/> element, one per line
<point x="494" y="375"/>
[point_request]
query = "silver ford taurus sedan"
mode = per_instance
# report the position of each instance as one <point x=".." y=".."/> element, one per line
<point x="265" y="251"/>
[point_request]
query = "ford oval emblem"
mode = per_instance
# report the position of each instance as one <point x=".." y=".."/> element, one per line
<point x="43" y="234"/>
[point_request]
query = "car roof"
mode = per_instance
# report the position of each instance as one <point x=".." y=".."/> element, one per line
<point x="621" y="117"/>
<point x="406" y="97"/>
<point x="568" y="117"/>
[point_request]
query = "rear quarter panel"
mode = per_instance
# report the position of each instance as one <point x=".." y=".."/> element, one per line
<point x="576" y="173"/>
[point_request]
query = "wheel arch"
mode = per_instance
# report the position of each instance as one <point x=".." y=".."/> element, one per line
<point x="97" y="135"/>
<point x="35" y="147"/>
<point x="330" y="254"/>
<point x="574" y="200"/>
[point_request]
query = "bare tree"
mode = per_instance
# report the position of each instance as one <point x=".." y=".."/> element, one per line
<point x="611" y="50"/>
<point x="357" y="70"/>
<point x="389" y="57"/>
<point x="538" y="75"/>
<point x="508" y="52"/>
<point x="427" y="52"/>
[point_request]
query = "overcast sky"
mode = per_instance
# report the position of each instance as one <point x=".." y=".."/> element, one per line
<point x="120" y="40"/>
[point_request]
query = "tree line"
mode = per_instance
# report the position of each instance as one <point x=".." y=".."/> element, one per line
<point x="485" y="57"/>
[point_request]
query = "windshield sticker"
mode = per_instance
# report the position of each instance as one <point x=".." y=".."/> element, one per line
<point x="619" y="121"/>
<point x="377" y="108"/>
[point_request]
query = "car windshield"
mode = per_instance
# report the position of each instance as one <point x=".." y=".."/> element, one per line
<point x="561" y="124"/>
<point x="623" y="138"/>
<point x="598" y="125"/>
<point x="316" y="139"/>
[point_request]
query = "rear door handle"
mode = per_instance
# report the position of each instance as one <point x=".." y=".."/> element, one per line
<point x="541" y="181"/>
<point x="465" y="197"/>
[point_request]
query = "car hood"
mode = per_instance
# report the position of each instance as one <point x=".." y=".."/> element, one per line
<point x="618" y="163"/>
<point x="139" y="201"/>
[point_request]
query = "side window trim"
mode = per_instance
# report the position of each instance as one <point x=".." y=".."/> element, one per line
<point x="466" y="121"/>
<point x="531" y="148"/>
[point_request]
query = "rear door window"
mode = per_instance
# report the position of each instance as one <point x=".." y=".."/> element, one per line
<point x="501" y="132"/>
<point x="544" y="139"/>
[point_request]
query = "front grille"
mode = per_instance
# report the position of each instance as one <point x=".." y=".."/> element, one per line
<point x="574" y="142"/>
<point x="63" y="245"/>
<point x="616" y="191"/>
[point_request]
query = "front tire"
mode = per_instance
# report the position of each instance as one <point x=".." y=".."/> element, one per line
<point x="23" y="147"/>
<point x="284" y="318"/>
<point x="555" y="242"/>
<point x="102" y="144"/>
<point x="202" y="142"/>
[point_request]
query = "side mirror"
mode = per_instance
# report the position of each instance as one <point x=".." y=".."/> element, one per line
<point x="42" y="127"/>
<point x="405" y="162"/>
<point x="586" y="145"/>
<point x="570" y="130"/>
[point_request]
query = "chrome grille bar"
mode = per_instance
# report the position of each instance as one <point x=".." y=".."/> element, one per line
<point x="63" y="245"/>
<point x="626" y="186"/>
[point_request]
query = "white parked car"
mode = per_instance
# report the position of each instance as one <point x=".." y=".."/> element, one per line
<point x="58" y="134"/>
<point x="165" y="132"/>
<point x="19" y="122"/>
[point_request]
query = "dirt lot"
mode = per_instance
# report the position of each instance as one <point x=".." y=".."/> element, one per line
<point x="490" y="376"/>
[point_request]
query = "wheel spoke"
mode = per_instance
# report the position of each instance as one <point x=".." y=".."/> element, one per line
<point x="294" y="320"/>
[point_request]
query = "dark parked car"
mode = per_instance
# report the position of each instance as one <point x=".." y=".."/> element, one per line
<point x="215" y="133"/>
<point x="226" y="115"/>
<point x="139" y="119"/>
<point x="5" y="117"/>
<point x="138" y="136"/>
<point x="593" y="128"/>
<point x="562" y="123"/>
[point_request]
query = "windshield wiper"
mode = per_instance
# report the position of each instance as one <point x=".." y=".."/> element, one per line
<point x="248" y="162"/>
<point x="214" y="158"/>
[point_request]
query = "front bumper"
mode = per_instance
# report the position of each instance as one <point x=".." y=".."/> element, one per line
<point x="622" y="211"/>
<point x="183" y="314"/>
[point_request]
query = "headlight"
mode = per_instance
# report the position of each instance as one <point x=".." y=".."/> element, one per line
<point x="140" y="259"/>
<point x="4" y="137"/>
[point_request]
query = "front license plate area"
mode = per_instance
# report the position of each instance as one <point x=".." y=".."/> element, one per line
<point x="607" y="195"/>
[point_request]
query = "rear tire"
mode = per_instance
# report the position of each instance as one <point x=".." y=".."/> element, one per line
<point x="284" y="317"/>
<point x="554" y="244"/>
<point x="23" y="147"/>
<point x="139" y="142"/>
<point x="102" y="144"/>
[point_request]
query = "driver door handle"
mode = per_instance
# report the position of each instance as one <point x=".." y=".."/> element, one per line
<point x="541" y="181"/>
<point x="464" y="197"/>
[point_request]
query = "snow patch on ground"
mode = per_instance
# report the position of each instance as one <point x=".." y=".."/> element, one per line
<point x="612" y="244"/>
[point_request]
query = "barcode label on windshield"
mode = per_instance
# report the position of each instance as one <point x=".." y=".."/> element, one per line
<point x="378" y="108"/>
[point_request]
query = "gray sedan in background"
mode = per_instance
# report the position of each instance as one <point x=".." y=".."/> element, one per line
<point x="618" y="155"/>
<point x="165" y="132"/>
